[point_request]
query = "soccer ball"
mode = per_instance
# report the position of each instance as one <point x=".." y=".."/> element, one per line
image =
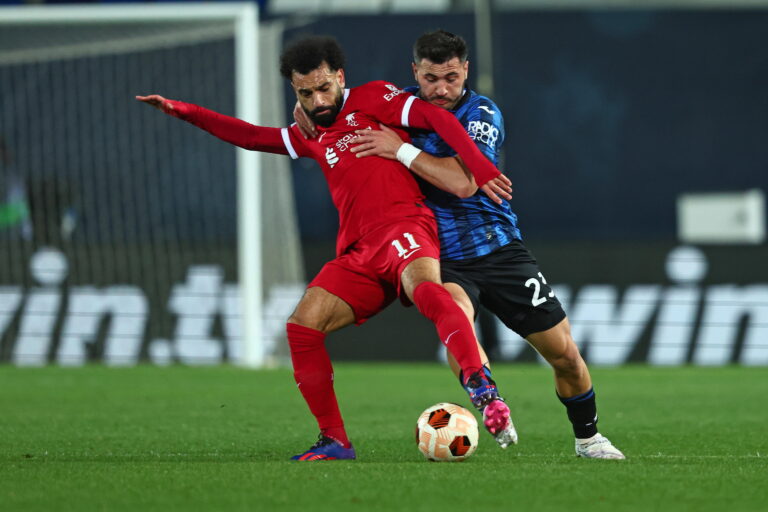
<point x="446" y="432"/>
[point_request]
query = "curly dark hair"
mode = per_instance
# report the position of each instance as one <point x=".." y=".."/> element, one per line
<point x="309" y="53"/>
<point x="439" y="46"/>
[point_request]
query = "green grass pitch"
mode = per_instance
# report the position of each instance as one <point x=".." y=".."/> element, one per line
<point x="218" y="438"/>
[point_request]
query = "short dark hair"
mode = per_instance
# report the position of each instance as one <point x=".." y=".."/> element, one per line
<point x="439" y="46"/>
<point x="309" y="53"/>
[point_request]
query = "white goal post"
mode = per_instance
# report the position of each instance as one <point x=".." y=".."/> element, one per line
<point x="242" y="20"/>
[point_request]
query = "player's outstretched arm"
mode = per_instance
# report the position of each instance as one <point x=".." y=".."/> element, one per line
<point x="229" y="129"/>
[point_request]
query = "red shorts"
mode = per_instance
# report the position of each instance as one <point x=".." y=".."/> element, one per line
<point x="367" y="275"/>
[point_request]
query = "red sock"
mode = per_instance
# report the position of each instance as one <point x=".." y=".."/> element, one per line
<point x="314" y="376"/>
<point x="453" y="327"/>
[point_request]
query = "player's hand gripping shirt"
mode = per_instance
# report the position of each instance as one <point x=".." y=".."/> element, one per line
<point x="474" y="226"/>
<point x="370" y="192"/>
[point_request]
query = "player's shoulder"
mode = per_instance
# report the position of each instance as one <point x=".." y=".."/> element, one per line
<point x="377" y="88"/>
<point x="479" y="106"/>
<point x="376" y="85"/>
<point x="294" y="141"/>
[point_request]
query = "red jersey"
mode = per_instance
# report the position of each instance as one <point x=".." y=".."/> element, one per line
<point x="369" y="192"/>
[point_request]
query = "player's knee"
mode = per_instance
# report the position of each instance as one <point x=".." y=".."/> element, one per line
<point x="311" y="319"/>
<point x="299" y="319"/>
<point x="465" y="304"/>
<point x="307" y="315"/>
<point x="321" y="311"/>
<point x="431" y="299"/>
<point x="303" y="339"/>
<point x="461" y="298"/>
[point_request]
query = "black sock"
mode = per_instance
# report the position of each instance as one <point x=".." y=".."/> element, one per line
<point x="582" y="412"/>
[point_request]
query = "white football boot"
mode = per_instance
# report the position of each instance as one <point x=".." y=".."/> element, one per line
<point x="507" y="436"/>
<point x="597" y="447"/>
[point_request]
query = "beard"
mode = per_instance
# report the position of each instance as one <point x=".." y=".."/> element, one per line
<point x="325" y="116"/>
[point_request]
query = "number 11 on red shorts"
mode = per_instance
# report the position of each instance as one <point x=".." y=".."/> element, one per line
<point x="406" y="246"/>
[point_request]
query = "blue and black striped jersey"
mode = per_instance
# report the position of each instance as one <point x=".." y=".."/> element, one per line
<point x="474" y="226"/>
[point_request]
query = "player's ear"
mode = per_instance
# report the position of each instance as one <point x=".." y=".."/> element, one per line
<point x="340" y="78"/>
<point x="466" y="69"/>
<point x="293" y="83"/>
<point x="415" y="69"/>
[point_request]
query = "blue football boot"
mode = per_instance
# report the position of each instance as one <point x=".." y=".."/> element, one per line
<point x="326" y="448"/>
<point x="481" y="388"/>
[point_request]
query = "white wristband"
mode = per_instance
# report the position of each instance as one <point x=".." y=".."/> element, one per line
<point x="407" y="153"/>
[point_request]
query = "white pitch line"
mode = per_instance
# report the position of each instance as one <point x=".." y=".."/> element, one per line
<point x="655" y="456"/>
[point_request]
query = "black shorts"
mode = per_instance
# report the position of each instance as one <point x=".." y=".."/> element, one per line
<point x="508" y="282"/>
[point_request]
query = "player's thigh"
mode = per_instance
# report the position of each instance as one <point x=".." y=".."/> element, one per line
<point x="420" y="270"/>
<point x="321" y="310"/>
<point x="510" y="306"/>
<point x="361" y="294"/>
<point x="513" y="288"/>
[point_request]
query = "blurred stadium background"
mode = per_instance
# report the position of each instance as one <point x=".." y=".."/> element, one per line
<point x="636" y="141"/>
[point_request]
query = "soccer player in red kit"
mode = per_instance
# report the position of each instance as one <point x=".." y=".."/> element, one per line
<point x="387" y="243"/>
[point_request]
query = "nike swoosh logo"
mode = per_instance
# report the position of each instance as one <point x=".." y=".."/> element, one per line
<point x="483" y="107"/>
<point x="406" y="256"/>
<point x="449" y="337"/>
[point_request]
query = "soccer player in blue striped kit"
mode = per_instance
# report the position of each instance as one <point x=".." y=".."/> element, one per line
<point x="483" y="259"/>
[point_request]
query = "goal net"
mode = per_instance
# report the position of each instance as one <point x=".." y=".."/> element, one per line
<point x="126" y="235"/>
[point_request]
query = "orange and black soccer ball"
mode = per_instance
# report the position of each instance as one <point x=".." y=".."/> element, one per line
<point x="446" y="433"/>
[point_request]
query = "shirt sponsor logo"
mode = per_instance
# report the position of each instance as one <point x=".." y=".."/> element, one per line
<point x="395" y="92"/>
<point x="483" y="107"/>
<point x="343" y="143"/>
<point x="483" y="132"/>
<point x="331" y="157"/>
